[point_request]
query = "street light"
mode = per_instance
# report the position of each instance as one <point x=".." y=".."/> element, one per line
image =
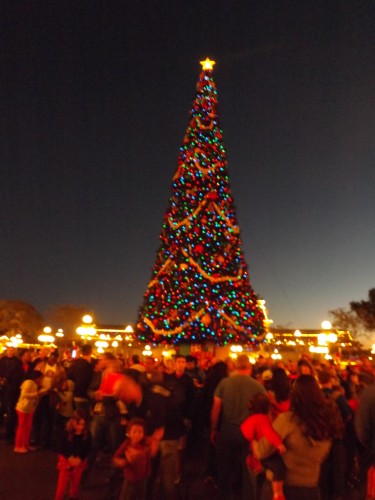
<point x="87" y="319"/>
<point x="88" y="328"/>
<point x="46" y="339"/>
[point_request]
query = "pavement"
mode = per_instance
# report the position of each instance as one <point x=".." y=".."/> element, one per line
<point x="33" y="476"/>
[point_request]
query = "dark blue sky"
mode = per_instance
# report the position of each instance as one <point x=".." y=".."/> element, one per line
<point x="95" y="98"/>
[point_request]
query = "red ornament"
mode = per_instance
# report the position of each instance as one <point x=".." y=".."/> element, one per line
<point x="199" y="249"/>
<point x="212" y="196"/>
<point x="220" y="259"/>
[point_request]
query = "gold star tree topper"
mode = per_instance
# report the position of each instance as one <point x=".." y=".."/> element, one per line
<point x="207" y="64"/>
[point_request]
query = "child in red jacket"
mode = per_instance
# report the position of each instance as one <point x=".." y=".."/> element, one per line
<point x="257" y="426"/>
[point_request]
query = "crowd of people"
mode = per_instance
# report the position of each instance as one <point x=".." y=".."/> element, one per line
<point x="301" y="429"/>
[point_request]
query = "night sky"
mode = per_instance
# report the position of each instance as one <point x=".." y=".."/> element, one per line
<point x="95" y="101"/>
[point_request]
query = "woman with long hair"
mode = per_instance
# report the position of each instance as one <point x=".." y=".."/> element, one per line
<point x="307" y="431"/>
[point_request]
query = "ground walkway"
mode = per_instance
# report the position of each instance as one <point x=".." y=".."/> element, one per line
<point x="33" y="476"/>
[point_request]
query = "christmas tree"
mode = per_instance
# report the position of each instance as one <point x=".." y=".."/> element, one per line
<point x="200" y="289"/>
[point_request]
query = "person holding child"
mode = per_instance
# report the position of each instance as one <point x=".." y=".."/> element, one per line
<point x="135" y="458"/>
<point x="307" y="431"/>
<point x="257" y="426"/>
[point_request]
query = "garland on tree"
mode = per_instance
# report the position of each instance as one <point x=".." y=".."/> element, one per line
<point x="200" y="289"/>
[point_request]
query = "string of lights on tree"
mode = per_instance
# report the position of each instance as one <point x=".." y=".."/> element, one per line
<point x="200" y="289"/>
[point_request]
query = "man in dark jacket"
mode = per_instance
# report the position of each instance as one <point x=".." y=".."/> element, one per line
<point x="81" y="372"/>
<point x="11" y="375"/>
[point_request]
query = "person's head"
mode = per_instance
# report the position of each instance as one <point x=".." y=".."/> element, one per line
<point x="11" y="352"/>
<point x="243" y="364"/>
<point x="325" y="379"/>
<point x="37" y="377"/>
<point x="136" y="430"/>
<point x="25" y="355"/>
<point x="318" y="416"/>
<point x="259" y="403"/>
<point x="266" y="378"/>
<point x="191" y="362"/>
<point x="105" y="360"/>
<point x="280" y="385"/>
<point x="304" y="367"/>
<point x="261" y="360"/>
<point x="150" y="364"/>
<point x="52" y="358"/>
<point x="135" y="359"/>
<point x="180" y="364"/>
<point x="168" y="365"/>
<point x="78" y="423"/>
<point x="43" y="353"/>
<point x="292" y="366"/>
<point x="86" y="350"/>
<point x="218" y="371"/>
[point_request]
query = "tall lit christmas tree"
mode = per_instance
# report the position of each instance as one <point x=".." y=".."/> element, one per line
<point x="200" y="289"/>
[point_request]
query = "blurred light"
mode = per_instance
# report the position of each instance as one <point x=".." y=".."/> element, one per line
<point x="332" y="337"/>
<point x="129" y="329"/>
<point x="115" y="343"/>
<point x="47" y="329"/>
<point x="236" y="348"/>
<point x="16" y="341"/>
<point x="326" y="325"/>
<point x="87" y="319"/>
<point x="101" y="343"/>
<point x="318" y="349"/>
<point x="297" y="333"/>
<point x="322" y="339"/>
<point x="46" y="338"/>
